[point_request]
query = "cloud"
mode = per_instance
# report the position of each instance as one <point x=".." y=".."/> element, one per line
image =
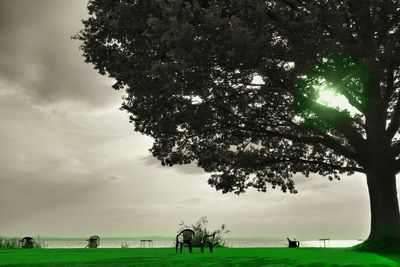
<point x="190" y="169"/>
<point x="39" y="55"/>
<point x="194" y="200"/>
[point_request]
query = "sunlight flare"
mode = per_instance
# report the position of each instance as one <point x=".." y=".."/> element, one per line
<point x="328" y="97"/>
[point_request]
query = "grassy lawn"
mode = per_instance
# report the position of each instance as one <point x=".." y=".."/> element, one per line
<point x="167" y="257"/>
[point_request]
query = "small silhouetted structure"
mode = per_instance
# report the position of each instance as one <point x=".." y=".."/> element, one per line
<point x="94" y="241"/>
<point x="323" y="240"/>
<point x="184" y="237"/>
<point x="27" y="242"/>
<point x="144" y="241"/>
<point x="294" y="243"/>
<point x="208" y="240"/>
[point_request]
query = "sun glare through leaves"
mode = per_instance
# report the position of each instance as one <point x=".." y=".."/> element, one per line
<point x="335" y="90"/>
<point x="329" y="97"/>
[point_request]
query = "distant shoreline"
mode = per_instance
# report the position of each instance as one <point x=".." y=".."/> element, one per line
<point x="168" y="243"/>
<point x="166" y="238"/>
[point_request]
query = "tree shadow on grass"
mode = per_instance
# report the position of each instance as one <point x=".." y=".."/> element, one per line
<point x="389" y="250"/>
<point x="390" y="255"/>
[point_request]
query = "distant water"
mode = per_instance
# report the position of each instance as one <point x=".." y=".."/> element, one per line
<point x="230" y="243"/>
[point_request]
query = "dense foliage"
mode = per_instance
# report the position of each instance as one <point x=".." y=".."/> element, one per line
<point x="189" y="73"/>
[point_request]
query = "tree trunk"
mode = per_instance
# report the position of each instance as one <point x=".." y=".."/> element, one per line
<point x="385" y="215"/>
<point x="381" y="180"/>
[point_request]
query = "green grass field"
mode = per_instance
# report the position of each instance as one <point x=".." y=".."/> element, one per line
<point x="167" y="257"/>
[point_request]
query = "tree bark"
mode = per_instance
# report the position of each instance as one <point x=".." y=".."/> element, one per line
<point x="385" y="215"/>
<point x="380" y="169"/>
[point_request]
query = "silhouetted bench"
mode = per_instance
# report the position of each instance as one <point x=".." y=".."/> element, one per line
<point x="208" y="240"/>
<point x="184" y="237"/>
<point x="93" y="241"/>
<point x="26" y="242"/>
<point x="294" y="243"/>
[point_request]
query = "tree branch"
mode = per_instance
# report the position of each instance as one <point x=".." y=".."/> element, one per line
<point x="315" y="162"/>
<point x="395" y="121"/>
<point x="346" y="129"/>
<point x="290" y="4"/>
<point x="396" y="149"/>
<point x="353" y="137"/>
<point x="333" y="166"/>
<point x="397" y="166"/>
<point x="389" y="88"/>
<point x="311" y="140"/>
<point x="331" y="143"/>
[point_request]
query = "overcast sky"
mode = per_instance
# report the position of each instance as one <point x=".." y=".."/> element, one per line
<point x="71" y="164"/>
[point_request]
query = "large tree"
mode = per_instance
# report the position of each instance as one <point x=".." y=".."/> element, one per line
<point x="217" y="83"/>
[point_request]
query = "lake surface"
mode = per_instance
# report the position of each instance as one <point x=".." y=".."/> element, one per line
<point x="171" y="243"/>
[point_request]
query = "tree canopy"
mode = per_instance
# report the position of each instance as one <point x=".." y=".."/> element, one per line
<point x="214" y="82"/>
